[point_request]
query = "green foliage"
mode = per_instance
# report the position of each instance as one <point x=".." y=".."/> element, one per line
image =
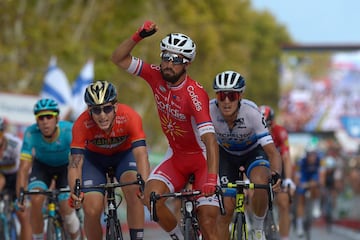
<point x="229" y="35"/>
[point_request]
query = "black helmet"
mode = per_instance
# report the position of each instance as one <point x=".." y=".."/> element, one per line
<point x="100" y="92"/>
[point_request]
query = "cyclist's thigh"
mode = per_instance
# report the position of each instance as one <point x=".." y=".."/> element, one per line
<point x="229" y="166"/>
<point x="126" y="164"/>
<point x="40" y="177"/>
<point x="10" y="184"/>
<point x="93" y="172"/>
<point x="170" y="175"/>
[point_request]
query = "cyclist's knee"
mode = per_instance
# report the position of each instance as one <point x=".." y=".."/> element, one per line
<point x="72" y="222"/>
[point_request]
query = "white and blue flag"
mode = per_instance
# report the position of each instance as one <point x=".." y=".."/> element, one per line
<point x="85" y="78"/>
<point x="56" y="86"/>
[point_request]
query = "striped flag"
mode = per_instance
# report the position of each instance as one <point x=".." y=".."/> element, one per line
<point x="85" y="77"/>
<point x="56" y="86"/>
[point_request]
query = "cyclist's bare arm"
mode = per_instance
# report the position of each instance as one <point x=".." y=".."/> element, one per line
<point x="142" y="161"/>
<point x="23" y="175"/>
<point x="75" y="169"/>
<point x="275" y="162"/>
<point x="121" y="56"/>
<point x="212" y="152"/>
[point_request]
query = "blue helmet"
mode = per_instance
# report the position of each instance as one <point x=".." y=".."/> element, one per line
<point x="46" y="104"/>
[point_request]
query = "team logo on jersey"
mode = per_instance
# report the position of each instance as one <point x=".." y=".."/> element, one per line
<point x="170" y="127"/>
<point x="194" y="98"/>
<point x="109" y="142"/>
<point x="162" y="88"/>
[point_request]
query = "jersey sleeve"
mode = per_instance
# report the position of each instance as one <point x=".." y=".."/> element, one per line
<point x="199" y="102"/>
<point x="26" y="148"/>
<point x="263" y="134"/>
<point x="77" y="145"/>
<point x="136" y="129"/>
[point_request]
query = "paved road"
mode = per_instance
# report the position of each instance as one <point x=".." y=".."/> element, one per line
<point x="152" y="232"/>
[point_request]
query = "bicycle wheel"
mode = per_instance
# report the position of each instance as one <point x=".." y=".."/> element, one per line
<point x="113" y="231"/>
<point x="239" y="231"/>
<point x="2" y="227"/>
<point x="270" y="227"/>
<point x="54" y="230"/>
<point x="12" y="228"/>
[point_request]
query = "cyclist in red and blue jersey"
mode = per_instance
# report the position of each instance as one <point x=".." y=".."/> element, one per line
<point x="183" y="108"/>
<point x="281" y="141"/>
<point x="44" y="158"/>
<point x="108" y="134"/>
<point x="245" y="142"/>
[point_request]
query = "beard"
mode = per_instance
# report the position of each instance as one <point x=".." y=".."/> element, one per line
<point x="170" y="76"/>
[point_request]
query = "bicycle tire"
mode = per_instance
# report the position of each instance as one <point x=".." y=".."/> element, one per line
<point x="2" y="228"/>
<point x="113" y="231"/>
<point x="53" y="231"/>
<point x="270" y="227"/>
<point x="239" y="231"/>
<point x="12" y="228"/>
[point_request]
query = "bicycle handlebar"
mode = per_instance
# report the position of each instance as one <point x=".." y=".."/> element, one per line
<point x="47" y="192"/>
<point x="139" y="181"/>
<point x="187" y="194"/>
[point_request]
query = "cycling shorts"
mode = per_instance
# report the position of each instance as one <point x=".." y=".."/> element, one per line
<point x="96" y="165"/>
<point x="175" y="170"/>
<point x="10" y="184"/>
<point x="306" y="177"/>
<point x="41" y="177"/>
<point x="229" y="164"/>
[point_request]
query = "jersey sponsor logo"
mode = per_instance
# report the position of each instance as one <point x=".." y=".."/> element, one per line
<point x="109" y="142"/>
<point x="167" y="108"/>
<point x="194" y="98"/>
<point x="120" y="119"/>
<point x="162" y="88"/>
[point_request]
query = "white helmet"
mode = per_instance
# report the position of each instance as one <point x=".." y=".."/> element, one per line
<point x="179" y="43"/>
<point x="229" y="81"/>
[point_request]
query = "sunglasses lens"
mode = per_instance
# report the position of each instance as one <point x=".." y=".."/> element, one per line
<point x="232" y="96"/>
<point x="106" y="109"/>
<point x="96" y="110"/>
<point x="48" y="117"/>
<point x="167" y="57"/>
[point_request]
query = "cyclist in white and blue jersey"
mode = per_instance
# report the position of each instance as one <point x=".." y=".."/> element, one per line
<point x="244" y="141"/>
<point x="44" y="158"/>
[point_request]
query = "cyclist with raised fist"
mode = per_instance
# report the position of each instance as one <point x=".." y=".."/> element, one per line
<point x="183" y="107"/>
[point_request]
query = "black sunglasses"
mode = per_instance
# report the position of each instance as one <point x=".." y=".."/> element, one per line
<point x="106" y="109"/>
<point x="174" y="58"/>
<point x="47" y="116"/>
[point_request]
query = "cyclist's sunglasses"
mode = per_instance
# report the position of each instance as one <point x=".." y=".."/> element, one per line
<point x="231" y="95"/>
<point x="174" y="58"/>
<point x="106" y="109"/>
<point x="47" y="116"/>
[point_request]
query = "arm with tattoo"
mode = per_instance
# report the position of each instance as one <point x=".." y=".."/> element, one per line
<point x="74" y="169"/>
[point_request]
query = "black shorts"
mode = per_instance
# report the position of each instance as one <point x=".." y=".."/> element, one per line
<point x="229" y="164"/>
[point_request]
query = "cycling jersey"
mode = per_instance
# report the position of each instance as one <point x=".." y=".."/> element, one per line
<point x="126" y="132"/>
<point x="183" y="110"/>
<point x="36" y="147"/>
<point x="10" y="159"/>
<point x="248" y="132"/>
<point x="280" y="138"/>
<point x="308" y="172"/>
<point x="281" y="141"/>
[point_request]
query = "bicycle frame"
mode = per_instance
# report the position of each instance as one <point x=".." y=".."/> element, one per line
<point x="55" y="228"/>
<point x="189" y="219"/>
<point x="239" y="227"/>
<point x="113" y="226"/>
<point x="7" y="218"/>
